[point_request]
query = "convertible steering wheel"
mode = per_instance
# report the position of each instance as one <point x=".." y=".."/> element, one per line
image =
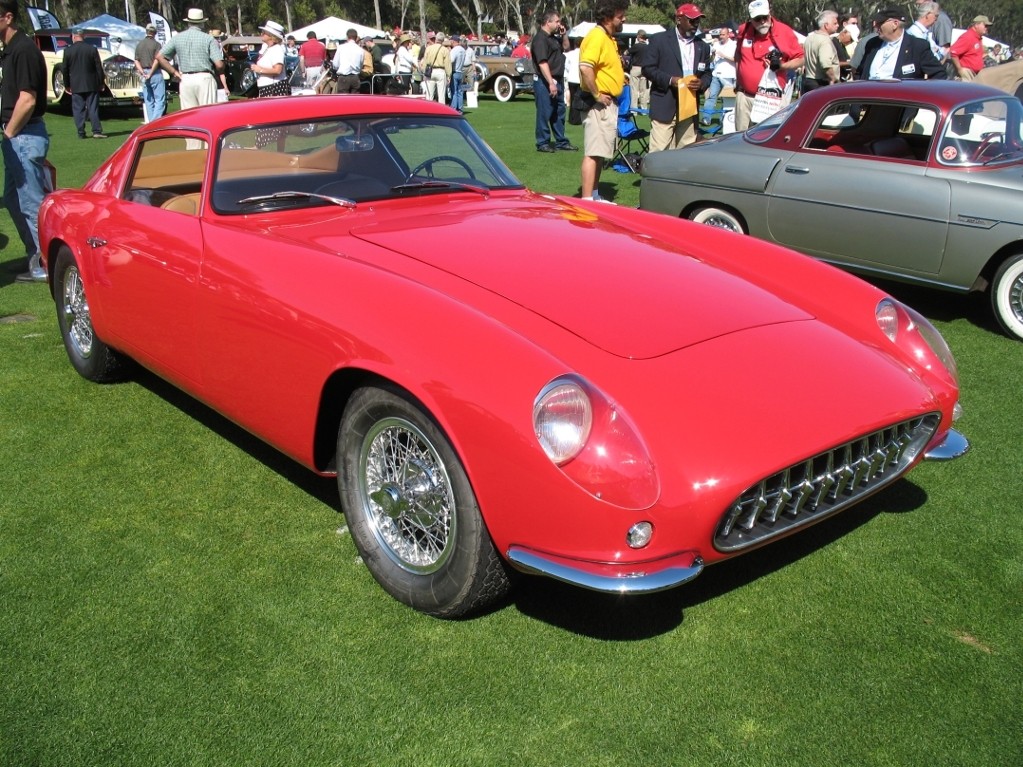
<point x="986" y="143"/>
<point x="427" y="165"/>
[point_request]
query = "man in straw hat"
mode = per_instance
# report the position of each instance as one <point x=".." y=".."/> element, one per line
<point x="198" y="57"/>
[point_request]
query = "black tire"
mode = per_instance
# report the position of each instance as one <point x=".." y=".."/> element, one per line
<point x="1007" y="296"/>
<point x="93" y="359"/>
<point x="411" y="511"/>
<point x="504" y="88"/>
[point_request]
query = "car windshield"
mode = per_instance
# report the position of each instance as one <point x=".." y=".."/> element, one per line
<point x="352" y="160"/>
<point x="764" y="130"/>
<point x="984" y="132"/>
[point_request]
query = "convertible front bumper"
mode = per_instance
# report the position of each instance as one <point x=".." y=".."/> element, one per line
<point x="640" y="578"/>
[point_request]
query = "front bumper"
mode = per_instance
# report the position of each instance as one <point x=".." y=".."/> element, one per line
<point x="639" y="578"/>
<point x="953" y="446"/>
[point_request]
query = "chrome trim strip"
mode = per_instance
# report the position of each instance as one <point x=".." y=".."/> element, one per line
<point x="640" y="582"/>
<point x="953" y="446"/>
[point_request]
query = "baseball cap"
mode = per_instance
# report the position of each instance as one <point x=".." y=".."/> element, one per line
<point x="690" y="11"/>
<point x="759" y="8"/>
<point x="981" y="20"/>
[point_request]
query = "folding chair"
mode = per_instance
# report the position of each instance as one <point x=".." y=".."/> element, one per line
<point x="629" y="133"/>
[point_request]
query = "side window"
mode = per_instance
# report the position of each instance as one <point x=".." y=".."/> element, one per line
<point x="838" y="129"/>
<point x="168" y="174"/>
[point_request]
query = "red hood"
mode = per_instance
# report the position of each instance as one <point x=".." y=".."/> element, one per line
<point x="619" y="290"/>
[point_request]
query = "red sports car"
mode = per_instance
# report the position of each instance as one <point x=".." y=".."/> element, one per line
<point x="501" y="380"/>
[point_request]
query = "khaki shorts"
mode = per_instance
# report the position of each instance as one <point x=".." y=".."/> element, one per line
<point x="600" y="132"/>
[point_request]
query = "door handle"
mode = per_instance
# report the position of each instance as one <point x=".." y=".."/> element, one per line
<point x="96" y="242"/>
<point x="796" y="169"/>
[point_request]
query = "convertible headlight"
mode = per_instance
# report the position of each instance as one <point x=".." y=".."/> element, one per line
<point x="911" y="330"/>
<point x="592" y="440"/>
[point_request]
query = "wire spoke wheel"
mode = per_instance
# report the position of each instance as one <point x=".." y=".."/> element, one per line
<point x="411" y="510"/>
<point x="408" y="494"/>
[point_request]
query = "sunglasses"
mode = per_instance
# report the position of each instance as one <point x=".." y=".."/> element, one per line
<point x="761" y="18"/>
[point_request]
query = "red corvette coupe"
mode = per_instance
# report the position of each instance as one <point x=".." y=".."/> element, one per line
<point x="622" y="401"/>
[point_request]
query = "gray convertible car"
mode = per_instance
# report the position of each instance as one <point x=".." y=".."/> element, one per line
<point x="915" y="181"/>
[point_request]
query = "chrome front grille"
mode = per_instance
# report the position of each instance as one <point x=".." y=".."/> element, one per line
<point x="823" y="484"/>
<point x="121" y="74"/>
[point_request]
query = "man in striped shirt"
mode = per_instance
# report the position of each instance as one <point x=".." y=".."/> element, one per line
<point x="198" y="56"/>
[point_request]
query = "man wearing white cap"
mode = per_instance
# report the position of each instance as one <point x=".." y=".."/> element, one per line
<point x="763" y="43"/>
<point x="198" y="56"/>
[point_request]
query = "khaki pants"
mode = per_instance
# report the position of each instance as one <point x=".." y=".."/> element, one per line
<point x="672" y="135"/>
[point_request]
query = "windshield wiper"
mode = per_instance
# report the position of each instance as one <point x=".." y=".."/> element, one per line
<point x="343" y="202"/>
<point x="412" y="186"/>
<point x="1004" y="156"/>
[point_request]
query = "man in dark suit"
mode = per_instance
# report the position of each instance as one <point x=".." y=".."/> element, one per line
<point x="894" y="55"/>
<point x="84" y="79"/>
<point x="671" y="57"/>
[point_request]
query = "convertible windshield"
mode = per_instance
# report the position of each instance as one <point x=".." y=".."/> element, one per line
<point x="354" y="160"/>
<point x="983" y="132"/>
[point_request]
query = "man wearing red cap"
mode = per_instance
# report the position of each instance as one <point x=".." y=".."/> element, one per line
<point x="763" y="43"/>
<point x="670" y="58"/>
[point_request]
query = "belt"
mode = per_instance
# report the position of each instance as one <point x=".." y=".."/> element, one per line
<point x="198" y="72"/>
<point x="30" y="121"/>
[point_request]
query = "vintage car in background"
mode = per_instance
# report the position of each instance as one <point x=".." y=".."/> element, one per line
<point x="1006" y="77"/>
<point x="503" y="76"/>
<point x="122" y="80"/>
<point x="240" y="53"/>
<point x="686" y="401"/>
<point x="914" y="181"/>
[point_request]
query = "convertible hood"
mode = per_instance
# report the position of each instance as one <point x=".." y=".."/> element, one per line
<point x="618" y="289"/>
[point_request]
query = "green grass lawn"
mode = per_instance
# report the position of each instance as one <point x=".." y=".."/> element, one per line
<point x="173" y="592"/>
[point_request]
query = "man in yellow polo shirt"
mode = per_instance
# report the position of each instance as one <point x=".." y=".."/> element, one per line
<point x="601" y="80"/>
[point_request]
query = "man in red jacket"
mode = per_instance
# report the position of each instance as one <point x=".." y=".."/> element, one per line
<point x="967" y="53"/>
<point x="763" y="43"/>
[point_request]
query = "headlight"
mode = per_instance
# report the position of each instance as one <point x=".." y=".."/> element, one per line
<point x="593" y="441"/>
<point x="110" y="69"/>
<point x="562" y="418"/>
<point x="909" y="329"/>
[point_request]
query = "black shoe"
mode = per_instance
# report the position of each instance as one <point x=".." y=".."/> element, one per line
<point x="567" y="148"/>
<point x="81" y="135"/>
<point x="545" y="148"/>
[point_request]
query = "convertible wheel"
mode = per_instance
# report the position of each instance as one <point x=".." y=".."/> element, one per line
<point x="718" y="217"/>
<point x="92" y="358"/>
<point x="1007" y="296"/>
<point x="411" y="511"/>
<point x="504" y="88"/>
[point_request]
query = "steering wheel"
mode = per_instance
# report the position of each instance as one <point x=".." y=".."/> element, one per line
<point x="986" y="143"/>
<point x="427" y="165"/>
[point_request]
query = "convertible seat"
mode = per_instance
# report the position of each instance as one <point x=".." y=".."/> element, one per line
<point x="892" y="146"/>
<point x="183" y="203"/>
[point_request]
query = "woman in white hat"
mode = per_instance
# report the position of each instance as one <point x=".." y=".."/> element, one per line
<point x="271" y="78"/>
<point x="405" y="63"/>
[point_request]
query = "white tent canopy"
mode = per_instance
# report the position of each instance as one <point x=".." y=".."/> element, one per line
<point x="628" y="30"/>
<point x="333" y="28"/>
<point x="128" y="33"/>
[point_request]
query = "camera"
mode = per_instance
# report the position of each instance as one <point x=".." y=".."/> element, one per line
<point x="774" y="59"/>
